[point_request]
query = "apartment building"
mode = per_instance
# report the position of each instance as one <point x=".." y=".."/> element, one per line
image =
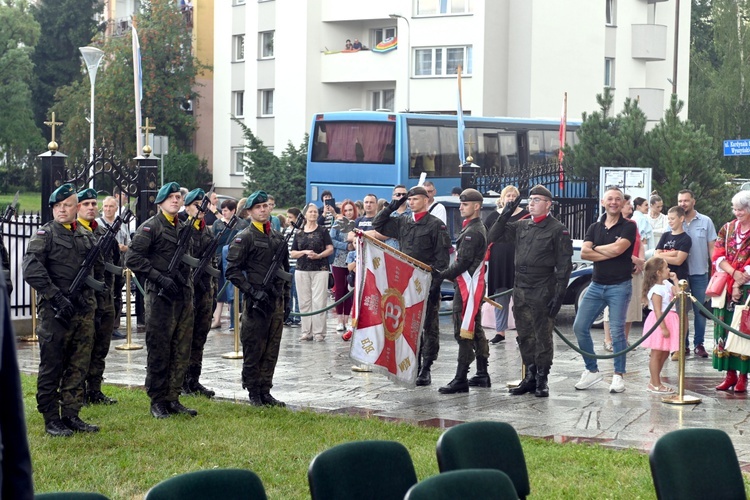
<point x="278" y="62"/>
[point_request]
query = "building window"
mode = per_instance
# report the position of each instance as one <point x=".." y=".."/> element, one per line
<point x="238" y="163"/>
<point x="266" y="45"/>
<point x="266" y="103"/>
<point x="609" y="72"/>
<point x="437" y="7"/>
<point x="382" y="99"/>
<point x="238" y="103"/>
<point x="380" y="34"/>
<point x="610" y="9"/>
<point x="239" y="2"/>
<point x="239" y="47"/>
<point x="442" y="61"/>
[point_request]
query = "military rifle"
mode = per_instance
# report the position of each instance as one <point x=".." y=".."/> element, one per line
<point x="208" y="253"/>
<point x="10" y="211"/>
<point x="92" y="256"/>
<point x="183" y="241"/>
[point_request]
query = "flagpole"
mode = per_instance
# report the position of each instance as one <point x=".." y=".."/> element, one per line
<point x="411" y="260"/>
<point x="563" y="132"/>
<point x="460" y="120"/>
<point x="137" y="88"/>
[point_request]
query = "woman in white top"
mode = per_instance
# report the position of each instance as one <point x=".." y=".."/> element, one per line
<point x="655" y="216"/>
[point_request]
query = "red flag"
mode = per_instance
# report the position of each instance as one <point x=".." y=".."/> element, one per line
<point x="471" y="288"/>
<point x="560" y="153"/>
<point x="390" y="314"/>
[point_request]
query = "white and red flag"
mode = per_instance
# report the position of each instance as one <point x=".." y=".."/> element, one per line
<point x="390" y="312"/>
<point x="472" y="288"/>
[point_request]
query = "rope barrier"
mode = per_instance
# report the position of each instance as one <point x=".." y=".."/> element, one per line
<point x="501" y="294"/>
<point x="625" y="351"/>
<point x="138" y="285"/>
<point x="717" y="320"/>
<point x="313" y="313"/>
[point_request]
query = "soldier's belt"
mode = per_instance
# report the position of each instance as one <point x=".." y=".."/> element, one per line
<point x="534" y="269"/>
<point x="113" y="269"/>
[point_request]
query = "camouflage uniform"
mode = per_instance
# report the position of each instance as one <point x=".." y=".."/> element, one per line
<point x="249" y="258"/>
<point x="543" y="266"/>
<point x="104" y="321"/>
<point x="428" y="241"/>
<point x="53" y="258"/>
<point x="169" y="321"/>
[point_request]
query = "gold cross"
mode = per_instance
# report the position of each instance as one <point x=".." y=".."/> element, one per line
<point x="52" y="124"/>
<point x="147" y="129"/>
<point x="469" y="143"/>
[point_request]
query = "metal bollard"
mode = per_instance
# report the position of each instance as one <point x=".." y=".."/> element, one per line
<point x="680" y="398"/>
<point x="128" y="345"/>
<point x="236" y="354"/>
<point x="33" y="337"/>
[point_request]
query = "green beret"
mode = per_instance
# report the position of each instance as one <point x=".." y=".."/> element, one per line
<point x="166" y="190"/>
<point x="195" y="194"/>
<point x="86" y="194"/>
<point x="255" y="198"/>
<point x="471" y="195"/>
<point x="62" y="193"/>
<point x="417" y="190"/>
<point x="540" y="190"/>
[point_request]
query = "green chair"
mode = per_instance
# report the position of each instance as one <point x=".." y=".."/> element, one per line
<point x="70" y="495"/>
<point x="377" y="470"/>
<point x="213" y="484"/>
<point x="485" y="445"/>
<point x="477" y="484"/>
<point x="696" y="463"/>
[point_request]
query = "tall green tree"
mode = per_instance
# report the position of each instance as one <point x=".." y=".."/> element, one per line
<point x="169" y="71"/>
<point x="68" y="25"/>
<point x="19" y="137"/>
<point x="283" y="177"/>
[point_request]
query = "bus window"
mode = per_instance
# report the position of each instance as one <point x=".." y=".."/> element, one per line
<point x="447" y="162"/>
<point x="508" y="152"/>
<point x="423" y="148"/>
<point x="354" y="142"/>
<point x="487" y="153"/>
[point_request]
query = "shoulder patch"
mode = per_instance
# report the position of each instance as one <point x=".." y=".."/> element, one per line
<point x="566" y="232"/>
<point x="238" y="240"/>
<point x="41" y="231"/>
<point x="442" y="226"/>
<point x="147" y="229"/>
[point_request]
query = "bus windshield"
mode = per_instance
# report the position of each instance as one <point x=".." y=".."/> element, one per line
<point x="354" y="142"/>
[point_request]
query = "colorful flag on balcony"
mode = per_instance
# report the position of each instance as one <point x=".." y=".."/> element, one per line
<point x="390" y="313"/>
<point x="561" y="153"/>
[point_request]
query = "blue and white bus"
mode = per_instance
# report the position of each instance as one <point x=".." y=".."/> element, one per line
<point x="353" y="153"/>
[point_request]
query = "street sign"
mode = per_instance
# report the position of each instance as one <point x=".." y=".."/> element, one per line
<point x="737" y="147"/>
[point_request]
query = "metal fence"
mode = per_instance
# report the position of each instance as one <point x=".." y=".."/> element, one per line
<point x="16" y="236"/>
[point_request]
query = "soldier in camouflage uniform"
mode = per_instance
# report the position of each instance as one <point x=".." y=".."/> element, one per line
<point x="104" y="317"/>
<point x="203" y="299"/>
<point x="471" y="247"/>
<point x="249" y="259"/>
<point x="66" y="331"/>
<point x="169" y="321"/>
<point x="425" y="238"/>
<point x="543" y="266"/>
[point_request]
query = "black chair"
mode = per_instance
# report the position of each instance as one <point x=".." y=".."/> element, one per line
<point x="696" y="463"/>
<point x="476" y="484"/>
<point x="377" y="470"/>
<point x="213" y="484"/>
<point x="70" y="495"/>
<point x="485" y="445"/>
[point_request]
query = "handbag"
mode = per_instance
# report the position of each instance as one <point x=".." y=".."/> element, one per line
<point x="717" y="285"/>
<point x="741" y="322"/>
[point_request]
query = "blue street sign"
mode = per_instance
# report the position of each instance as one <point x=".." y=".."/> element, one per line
<point x="737" y="147"/>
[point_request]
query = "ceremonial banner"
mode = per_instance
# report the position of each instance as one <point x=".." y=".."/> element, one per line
<point x="471" y="288"/>
<point x="390" y="313"/>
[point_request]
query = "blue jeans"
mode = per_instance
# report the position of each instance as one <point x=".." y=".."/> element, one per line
<point x="295" y="301"/>
<point x="698" y="284"/>
<point x="597" y="297"/>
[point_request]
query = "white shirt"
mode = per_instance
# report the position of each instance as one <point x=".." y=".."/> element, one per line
<point x="438" y="210"/>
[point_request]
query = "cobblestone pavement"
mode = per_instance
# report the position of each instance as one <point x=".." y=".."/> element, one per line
<point x="318" y="376"/>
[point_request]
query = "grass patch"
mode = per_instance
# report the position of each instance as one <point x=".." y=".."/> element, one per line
<point x="28" y="202"/>
<point x="134" y="451"/>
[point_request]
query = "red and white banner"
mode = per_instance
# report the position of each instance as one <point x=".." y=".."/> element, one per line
<point x="390" y="313"/>
<point x="471" y="288"/>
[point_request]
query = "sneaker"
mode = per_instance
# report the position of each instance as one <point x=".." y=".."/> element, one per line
<point x="588" y="379"/>
<point x="340" y="327"/>
<point x="700" y="351"/>
<point x="497" y="339"/>
<point x="118" y="335"/>
<point x="347" y="336"/>
<point x="618" y="384"/>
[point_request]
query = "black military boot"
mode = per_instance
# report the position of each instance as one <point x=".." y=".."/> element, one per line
<point x="269" y="400"/>
<point x="542" y="389"/>
<point x="197" y="386"/>
<point x="177" y="407"/>
<point x="424" y="377"/>
<point x="55" y="427"/>
<point x="160" y="410"/>
<point x="188" y="383"/>
<point x="254" y="396"/>
<point x="96" y="397"/>
<point x="482" y="378"/>
<point x="459" y="382"/>
<point x="75" y="424"/>
<point x="528" y="384"/>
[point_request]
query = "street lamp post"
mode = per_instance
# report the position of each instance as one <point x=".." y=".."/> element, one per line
<point x="92" y="57"/>
<point x="408" y="57"/>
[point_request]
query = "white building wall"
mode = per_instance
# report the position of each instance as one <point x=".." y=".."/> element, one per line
<point x="526" y="54"/>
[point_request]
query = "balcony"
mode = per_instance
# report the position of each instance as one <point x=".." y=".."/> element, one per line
<point x="118" y="27"/>
<point x="649" y="42"/>
<point x="650" y="100"/>
<point x="363" y="66"/>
